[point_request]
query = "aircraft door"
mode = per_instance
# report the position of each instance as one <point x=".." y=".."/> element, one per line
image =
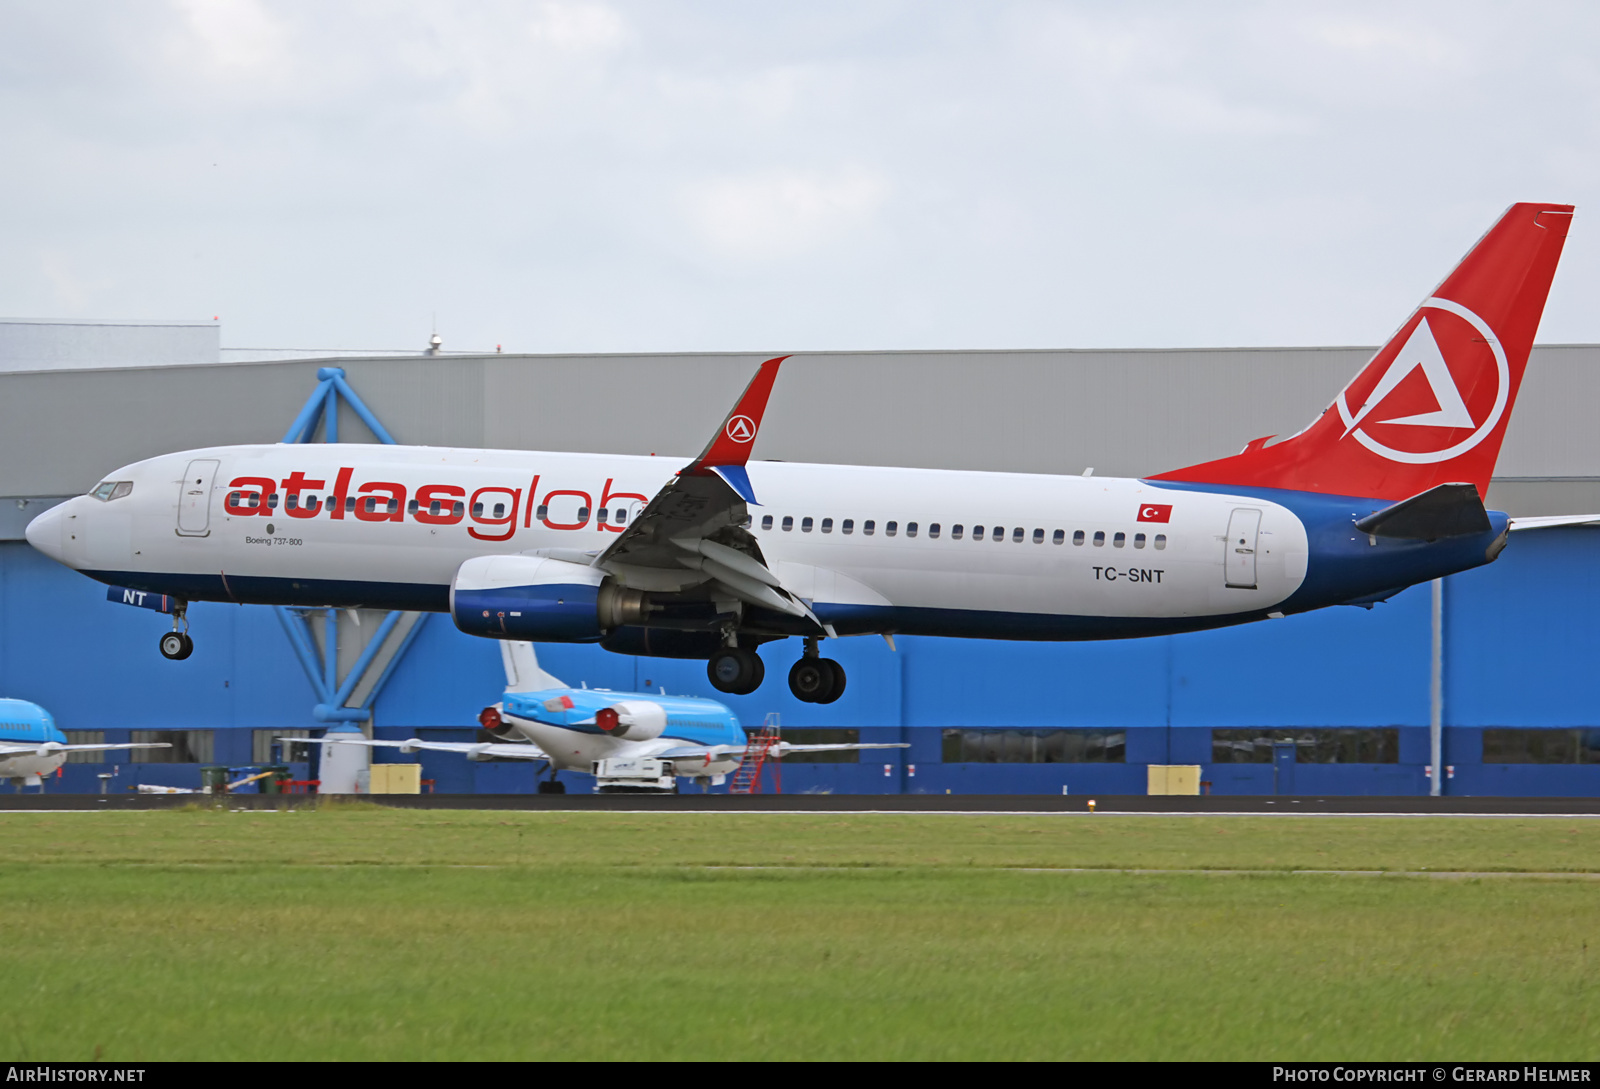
<point x="194" y="498"/>
<point x="1239" y="552"/>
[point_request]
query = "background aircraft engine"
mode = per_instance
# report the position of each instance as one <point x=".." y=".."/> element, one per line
<point x="632" y="720"/>
<point x="491" y="720"/>
<point x="527" y="597"/>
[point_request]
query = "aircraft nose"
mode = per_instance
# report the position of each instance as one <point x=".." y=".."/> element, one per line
<point x="44" y="532"/>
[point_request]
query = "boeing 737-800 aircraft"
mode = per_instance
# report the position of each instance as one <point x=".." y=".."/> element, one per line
<point x="1383" y="490"/>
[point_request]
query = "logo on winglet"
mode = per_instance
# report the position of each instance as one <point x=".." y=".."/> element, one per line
<point x="741" y="429"/>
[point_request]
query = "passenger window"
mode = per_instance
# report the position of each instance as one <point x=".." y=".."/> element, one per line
<point x="868" y="526"/>
<point x="933" y="530"/>
<point x="433" y="507"/>
<point x="477" y="510"/>
<point x="1077" y="536"/>
<point x="805" y="524"/>
<point x="1099" y="538"/>
<point x="603" y="517"/>
<point x="1138" y="540"/>
<point x="272" y="501"/>
<point x="827" y="525"/>
<point x="956" y="531"/>
<point x="292" y="502"/>
<point x="1060" y="537"/>
<point x="457" y="509"/>
<point x="583" y="514"/>
<point x="499" y="509"/>
<point x="788" y="522"/>
<point x="977" y="533"/>
<point x="350" y="503"/>
<point x="911" y="529"/>
<point x="620" y="517"/>
<point x="233" y="499"/>
<point x="1038" y="536"/>
<point x="412" y="507"/>
<point x="766" y="521"/>
<point x="372" y="504"/>
<point x="543" y="512"/>
<point x="394" y="505"/>
<point x="890" y="528"/>
<point x="1119" y="540"/>
<point x="848" y="526"/>
<point x="1161" y="540"/>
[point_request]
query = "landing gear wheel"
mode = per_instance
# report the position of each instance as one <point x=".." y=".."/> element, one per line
<point x="736" y="670"/>
<point x="552" y="786"/>
<point x="176" y="646"/>
<point x="816" y="680"/>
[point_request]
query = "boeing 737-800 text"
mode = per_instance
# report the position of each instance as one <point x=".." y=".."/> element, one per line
<point x="713" y="558"/>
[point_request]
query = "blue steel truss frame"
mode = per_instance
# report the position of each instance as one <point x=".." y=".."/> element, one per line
<point x="332" y="694"/>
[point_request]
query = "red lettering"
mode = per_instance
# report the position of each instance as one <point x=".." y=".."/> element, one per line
<point x="509" y="521"/>
<point x="292" y="487"/>
<point x="607" y="495"/>
<point x="341" y="489"/>
<point x="257" y="488"/>
<point x="583" y="510"/>
<point x="446" y="496"/>
<point x="392" y="495"/>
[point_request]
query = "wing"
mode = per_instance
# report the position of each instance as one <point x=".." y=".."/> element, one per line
<point x="781" y="749"/>
<point x="696" y="522"/>
<point x="1556" y="521"/>
<point x="472" y="751"/>
<point x="46" y="748"/>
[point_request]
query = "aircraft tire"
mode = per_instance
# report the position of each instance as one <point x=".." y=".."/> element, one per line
<point x="838" y="681"/>
<point x="176" y="646"/>
<point x="735" y="670"/>
<point x="812" y="680"/>
<point x="552" y="786"/>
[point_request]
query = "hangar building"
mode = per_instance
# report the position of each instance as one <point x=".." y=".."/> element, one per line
<point x="1337" y="701"/>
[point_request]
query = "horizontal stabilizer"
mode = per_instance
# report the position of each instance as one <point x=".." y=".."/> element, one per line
<point x="1449" y="510"/>
<point x="1556" y="521"/>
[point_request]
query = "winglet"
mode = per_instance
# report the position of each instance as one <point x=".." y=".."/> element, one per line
<point x="730" y="446"/>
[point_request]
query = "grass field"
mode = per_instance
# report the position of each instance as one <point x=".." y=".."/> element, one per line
<point x="363" y="933"/>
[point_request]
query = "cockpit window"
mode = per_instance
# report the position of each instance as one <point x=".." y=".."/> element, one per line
<point x="112" y="489"/>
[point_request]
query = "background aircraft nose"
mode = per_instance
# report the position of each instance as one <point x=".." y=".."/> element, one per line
<point x="44" y="532"/>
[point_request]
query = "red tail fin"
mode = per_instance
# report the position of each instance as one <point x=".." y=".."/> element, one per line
<point x="1432" y="406"/>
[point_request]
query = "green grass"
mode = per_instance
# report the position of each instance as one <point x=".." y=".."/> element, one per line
<point x="364" y="933"/>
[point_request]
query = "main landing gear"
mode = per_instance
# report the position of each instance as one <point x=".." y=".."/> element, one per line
<point x="814" y="679"/>
<point x="739" y="671"/>
<point x="736" y="670"/>
<point x="176" y="644"/>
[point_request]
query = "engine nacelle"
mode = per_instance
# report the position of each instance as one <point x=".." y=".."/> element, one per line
<point x="527" y="597"/>
<point x="632" y="720"/>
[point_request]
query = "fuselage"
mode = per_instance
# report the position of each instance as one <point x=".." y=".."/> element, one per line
<point x="24" y="723"/>
<point x="560" y="721"/>
<point x="952" y="553"/>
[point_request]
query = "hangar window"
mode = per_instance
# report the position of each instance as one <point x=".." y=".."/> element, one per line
<point x="1099" y="538"/>
<point x="891" y="528"/>
<point x="1580" y="746"/>
<point x="933" y="530"/>
<point x="827" y="525"/>
<point x="265" y="748"/>
<point x="805" y="524"/>
<point x="1038" y="536"/>
<point x="1138" y="540"/>
<point x="1254" y="745"/>
<point x="847" y="526"/>
<point x="1119" y="540"/>
<point x="1161" y="540"/>
<point x="188" y="746"/>
<point x="86" y="737"/>
<point x="991" y="746"/>
<point x="956" y="531"/>
<point x="911" y="529"/>
<point x="766" y="521"/>
<point x="868" y="526"/>
<point x="1077" y="536"/>
<point x="835" y="736"/>
<point x="788" y="522"/>
<point x="1059" y="537"/>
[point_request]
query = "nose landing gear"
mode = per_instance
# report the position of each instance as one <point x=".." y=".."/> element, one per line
<point x="176" y="644"/>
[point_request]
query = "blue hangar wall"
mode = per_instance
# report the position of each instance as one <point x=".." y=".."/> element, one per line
<point x="1521" y="639"/>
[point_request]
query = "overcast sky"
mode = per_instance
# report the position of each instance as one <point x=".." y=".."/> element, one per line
<point x="576" y="176"/>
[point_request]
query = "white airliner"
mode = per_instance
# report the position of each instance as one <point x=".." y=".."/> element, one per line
<point x="714" y="558"/>
<point x="587" y="729"/>
<point x="31" y="747"/>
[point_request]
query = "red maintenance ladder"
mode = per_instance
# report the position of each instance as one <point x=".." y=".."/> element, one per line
<point x="747" y="780"/>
